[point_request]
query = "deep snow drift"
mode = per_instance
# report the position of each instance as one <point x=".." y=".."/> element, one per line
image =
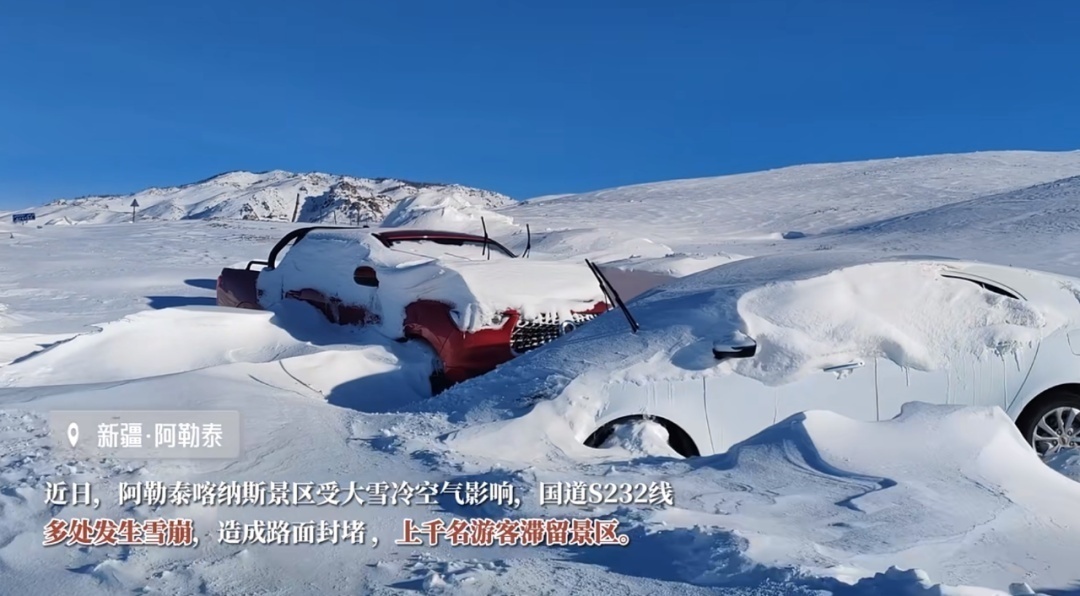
<point x="119" y="316"/>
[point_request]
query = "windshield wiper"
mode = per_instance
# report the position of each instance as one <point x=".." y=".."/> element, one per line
<point x="485" y="249"/>
<point x="612" y="295"/>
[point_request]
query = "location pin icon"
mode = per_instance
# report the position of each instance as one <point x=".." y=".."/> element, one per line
<point x="73" y="433"/>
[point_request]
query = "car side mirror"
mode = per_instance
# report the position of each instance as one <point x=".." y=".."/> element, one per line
<point x="738" y="345"/>
<point x="365" y="276"/>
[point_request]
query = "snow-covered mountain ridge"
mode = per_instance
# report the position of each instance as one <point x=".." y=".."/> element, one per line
<point x="273" y="196"/>
<point x="811" y="198"/>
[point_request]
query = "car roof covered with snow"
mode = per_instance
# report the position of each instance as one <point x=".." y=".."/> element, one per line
<point x="745" y="275"/>
<point x="481" y="284"/>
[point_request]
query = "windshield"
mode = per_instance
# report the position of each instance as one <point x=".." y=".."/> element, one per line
<point x="472" y="250"/>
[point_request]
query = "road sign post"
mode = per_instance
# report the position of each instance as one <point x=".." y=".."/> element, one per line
<point x="296" y="207"/>
<point x="134" y="205"/>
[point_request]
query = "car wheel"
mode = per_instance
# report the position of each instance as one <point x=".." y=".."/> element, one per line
<point x="677" y="439"/>
<point x="1053" y="424"/>
<point x="439" y="382"/>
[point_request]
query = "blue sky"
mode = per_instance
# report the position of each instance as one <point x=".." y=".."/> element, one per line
<point x="526" y="98"/>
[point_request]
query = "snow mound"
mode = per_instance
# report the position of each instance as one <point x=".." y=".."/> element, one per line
<point x="343" y="366"/>
<point x="858" y="312"/>
<point x="925" y="449"/>
<point x="805" y="313"/>
<point x="17" y="346"/>
<point x="675" y="264"/>
<point x="641" y="437"/>
<point x="598" y="244"/>
<point x="916" y="582"/>
<point x="633" y="277"/>
<point x="455" y="210"/>
<point x="941" y="491"/>
<point x="940" y="443"/>
<point x="136" y="347"/>
<point x="1067" y="462"/>
<point x="884" y="492"/>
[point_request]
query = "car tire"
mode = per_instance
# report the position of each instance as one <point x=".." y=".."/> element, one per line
<point x="1052" y="422"/>
<point x="439" y="382"/>
<point x="437" y="379"/>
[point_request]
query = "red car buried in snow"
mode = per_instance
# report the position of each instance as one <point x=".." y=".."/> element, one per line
<point x="470" y="299"/>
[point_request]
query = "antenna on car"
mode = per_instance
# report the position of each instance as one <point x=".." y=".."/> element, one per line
<point x="485" y="249"/>
<point x="612" y="295"/>
<point x="528" y="241"/>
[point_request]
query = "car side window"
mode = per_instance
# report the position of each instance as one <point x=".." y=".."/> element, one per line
<point x="986" y="286"/>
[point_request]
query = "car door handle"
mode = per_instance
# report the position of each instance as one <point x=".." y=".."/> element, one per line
<point x="843" y="367"/>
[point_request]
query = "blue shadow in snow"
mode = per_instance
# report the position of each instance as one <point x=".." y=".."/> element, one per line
<point x="160" y="302"/>
<point x="711" y="559"/>
<point x="202" y="284"/>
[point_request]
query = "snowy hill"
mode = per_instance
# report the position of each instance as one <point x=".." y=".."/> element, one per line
<point x="273" y="196"/>
<point x="799" y="200"/>
<point x="1053" y="207"/>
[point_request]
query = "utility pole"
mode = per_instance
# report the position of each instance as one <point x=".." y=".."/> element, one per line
<point x="296" y="207"/>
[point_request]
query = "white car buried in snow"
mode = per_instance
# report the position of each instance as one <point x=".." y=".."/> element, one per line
<point x="721" y="354"/>
<point x="470" y="299"/>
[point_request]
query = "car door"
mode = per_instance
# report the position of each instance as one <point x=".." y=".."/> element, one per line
<point x="989" y="379"/>
<point x="898" y="385"/>
<point x="845" y="386"/>
<point x="968" y="380"/>
<point x="739" y="407"/>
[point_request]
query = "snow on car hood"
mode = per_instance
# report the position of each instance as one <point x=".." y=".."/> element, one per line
<point x="480" y="290"/>
<point x="805" y="312"/>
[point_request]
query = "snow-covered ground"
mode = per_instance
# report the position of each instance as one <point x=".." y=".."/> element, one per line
<point x="941" y="500"/>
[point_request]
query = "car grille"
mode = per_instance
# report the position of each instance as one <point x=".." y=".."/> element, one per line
<point x="533" y="333"/>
